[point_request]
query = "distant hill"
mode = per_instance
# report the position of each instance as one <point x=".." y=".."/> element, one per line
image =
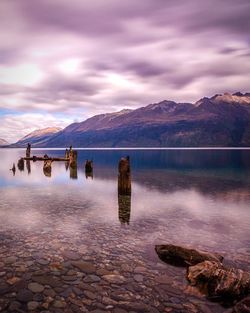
<point x="222" y="120"/>
<point x="3" y="142"/>
<point x="38" y="137"/>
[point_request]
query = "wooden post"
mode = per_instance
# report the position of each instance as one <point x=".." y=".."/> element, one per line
<point x="124" y="177"/>
<point x="73" y="158"/>
<point x="66" y="154"/>
<point x="28" y="150"/>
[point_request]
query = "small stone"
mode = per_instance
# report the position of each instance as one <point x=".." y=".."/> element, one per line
<point x="47" y="280"/>
<point x="14" y="306"/>
<point x="49" y="292"/>
<point x="140" y="269"/>
<point x="114" y="278"/>
<point x="38" y="297"/>
<point x="71" y="255"/>
<point x="59" y="304"/>
<point x="85" y="267"/>
<point x="102" y="272"/>
<point x="32" y="305"/>
<point x="24" y="295"/>
<point x="13" y="280"/>
<point x="43" y="262"/>
<point x="10" y="260"/>
<point x="138" y="278"/>
<point x="91" y="279"/>
<point x="35" y="287"/>
<point x="89" y="294"/>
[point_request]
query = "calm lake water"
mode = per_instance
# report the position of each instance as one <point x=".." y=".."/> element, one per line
<point x="196" y="198"/>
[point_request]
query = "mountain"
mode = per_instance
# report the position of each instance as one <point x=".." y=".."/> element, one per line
<point x="3" y="142"/>
<point x="38" y="137"/>
<point x="222" y="120"/>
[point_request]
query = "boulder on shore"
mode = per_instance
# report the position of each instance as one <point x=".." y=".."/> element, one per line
<point x="219" y="281"/>
<point x="181" y="256"/>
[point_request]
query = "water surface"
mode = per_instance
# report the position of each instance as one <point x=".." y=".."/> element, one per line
<point x="196" y="198"/>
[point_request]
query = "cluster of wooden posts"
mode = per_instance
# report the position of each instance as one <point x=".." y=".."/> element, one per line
<point x="70" y="159"/>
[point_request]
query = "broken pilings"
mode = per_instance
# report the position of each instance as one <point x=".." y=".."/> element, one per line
<point x="28" y="149"/>
<point x="124" y="177"/>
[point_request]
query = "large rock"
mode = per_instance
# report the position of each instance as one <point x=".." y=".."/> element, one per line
<point x="219" y="281"/>
<point x="181" y="256"/>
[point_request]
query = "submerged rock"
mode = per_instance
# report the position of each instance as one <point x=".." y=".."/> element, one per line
<point x="181" y="256"/>
<point x="219" y="281"/>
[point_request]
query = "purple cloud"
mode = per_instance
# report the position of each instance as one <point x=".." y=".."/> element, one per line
<point x="80" y="58"/>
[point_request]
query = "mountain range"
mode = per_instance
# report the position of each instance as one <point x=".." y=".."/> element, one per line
<point x="3" y="142"/>
<point x="222" y="120"/>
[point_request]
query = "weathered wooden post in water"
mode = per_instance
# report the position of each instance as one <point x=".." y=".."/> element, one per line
<point x="124" y="190"/>
<point x="124" y="177"/>
<point x="66" y="154"/>
<point x="73" y="158"/>
<point x="28" y="150"/>
<point x="72" y="163"/>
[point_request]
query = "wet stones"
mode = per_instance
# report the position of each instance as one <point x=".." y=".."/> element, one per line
<point x="14" y="306"/>
<point x="71" y="255"/>
<point x="85" y="267"/>
<point x="35" y="287"/>
<point x="181" y="256"/>
<point x="32" y="305"/>
<point x="47" y="280"/>
<point x="10" y="260"/>
<point x="114" y="278"/>
<point x="219" y="280"/>
<point x="91" y="279"/>
<point x="24" y="295"/>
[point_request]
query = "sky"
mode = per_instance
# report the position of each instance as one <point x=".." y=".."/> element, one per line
<point x="64" y="61"/>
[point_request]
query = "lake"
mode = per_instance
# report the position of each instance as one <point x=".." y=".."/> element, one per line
<point x="70" y="243"/>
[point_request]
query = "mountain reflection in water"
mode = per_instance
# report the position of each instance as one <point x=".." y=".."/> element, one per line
<point x="194" y="197"/>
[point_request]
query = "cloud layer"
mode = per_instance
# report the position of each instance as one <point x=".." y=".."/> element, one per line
<point x="79" y="58"/>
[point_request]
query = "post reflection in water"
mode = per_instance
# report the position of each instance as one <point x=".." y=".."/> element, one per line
<point x="66" y="165"/>
<point x="89" y="169"/>
<point x="89" y="174"/>
<point x="124" y="204"/>
<point x="47" y="168"/>
<point x="124" y="190"/>
<point x="20" y="164"/>
<point x="28" y="166"/>
<point x="73" y="172"/>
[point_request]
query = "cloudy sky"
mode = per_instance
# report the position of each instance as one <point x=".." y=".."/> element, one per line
<point x="63" y="61"/>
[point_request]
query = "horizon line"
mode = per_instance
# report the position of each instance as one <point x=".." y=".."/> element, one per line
<point x="133" y="148"/>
